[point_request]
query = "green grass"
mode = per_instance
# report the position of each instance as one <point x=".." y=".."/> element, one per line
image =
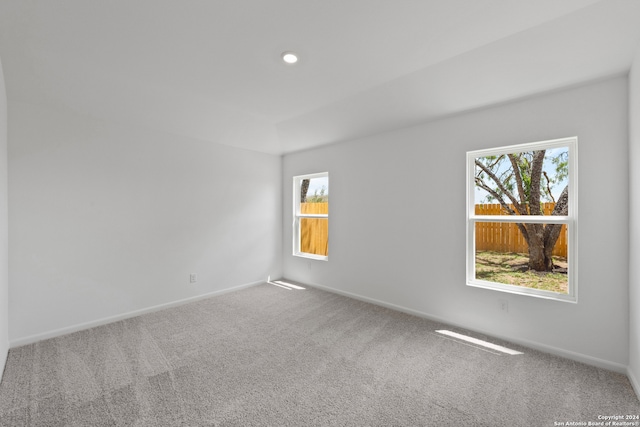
<point x="511" y="269"/>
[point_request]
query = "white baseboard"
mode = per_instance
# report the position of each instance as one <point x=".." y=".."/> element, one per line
<point x="634" y="381"/>
<point x="106" y="320"/>
<point x="583" y="358"/>
<point x="3" y="361"/>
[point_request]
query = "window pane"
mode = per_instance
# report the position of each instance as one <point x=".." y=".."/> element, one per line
<point x="314" y="236"/>
<point x="502" y="255"/>
<point x="314" y="190"/>
<point x="311" y="198"/>
<point x="505" y="184"/>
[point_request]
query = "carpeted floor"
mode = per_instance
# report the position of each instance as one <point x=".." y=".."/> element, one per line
<point x="267" y="356"/>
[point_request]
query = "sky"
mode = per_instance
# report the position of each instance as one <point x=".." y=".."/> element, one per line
<point x="316" y="185"/>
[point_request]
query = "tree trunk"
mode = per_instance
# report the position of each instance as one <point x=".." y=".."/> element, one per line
<point x="540" y="255"/>
<point x="537" y="259"/>
<point x="304" y="187"/>
<point x="545" y="237"/>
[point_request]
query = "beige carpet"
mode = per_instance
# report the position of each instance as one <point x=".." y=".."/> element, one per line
<point x="267" y="356"/>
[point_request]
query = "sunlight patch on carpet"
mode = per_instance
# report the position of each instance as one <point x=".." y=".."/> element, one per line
<point x="280" y="286"/>
<point x="286" y="285"/>
<point x="479" y="342"/>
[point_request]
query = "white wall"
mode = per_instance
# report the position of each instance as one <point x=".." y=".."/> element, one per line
<point x="4" y="276"/>
<point x="634" y="223"/>
<point x="107" y="220"/>
<point x="397" y="221"/>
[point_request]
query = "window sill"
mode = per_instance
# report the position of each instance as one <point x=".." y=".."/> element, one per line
<point x="518" y="290"/>
<point x="311" y="256"/>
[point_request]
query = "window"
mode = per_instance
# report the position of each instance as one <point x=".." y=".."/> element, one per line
<point x="522" y="219"/>
<point x="311" y="216"/>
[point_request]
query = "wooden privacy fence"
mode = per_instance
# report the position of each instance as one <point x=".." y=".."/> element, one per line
<point x="506" y="237"/>
<point x="490" y="236"/>
<point x="314" y="232"/>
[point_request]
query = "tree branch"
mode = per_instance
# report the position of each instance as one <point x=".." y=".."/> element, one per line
<point x="536" y="172"/>
<point x="549" y="186"/>
<point x="552" y="231"/>
<point x="518" y="175"/>
<point x="480" y="183"/>
<point x="499" y="184"/>
<point x="562" y="205"/>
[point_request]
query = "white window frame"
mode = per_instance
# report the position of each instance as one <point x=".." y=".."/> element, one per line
<point x="571" y="220"/>
<point x="298" y="216"/>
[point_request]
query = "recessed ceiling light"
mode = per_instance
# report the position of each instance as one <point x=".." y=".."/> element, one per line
<point x="289" y="57"/>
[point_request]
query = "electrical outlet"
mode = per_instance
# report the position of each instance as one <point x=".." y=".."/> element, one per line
<point x="193" y="278"/>
<point x="504" y="305"/>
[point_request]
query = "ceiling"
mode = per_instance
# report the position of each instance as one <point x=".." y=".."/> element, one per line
<point x="211" y="69"/>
